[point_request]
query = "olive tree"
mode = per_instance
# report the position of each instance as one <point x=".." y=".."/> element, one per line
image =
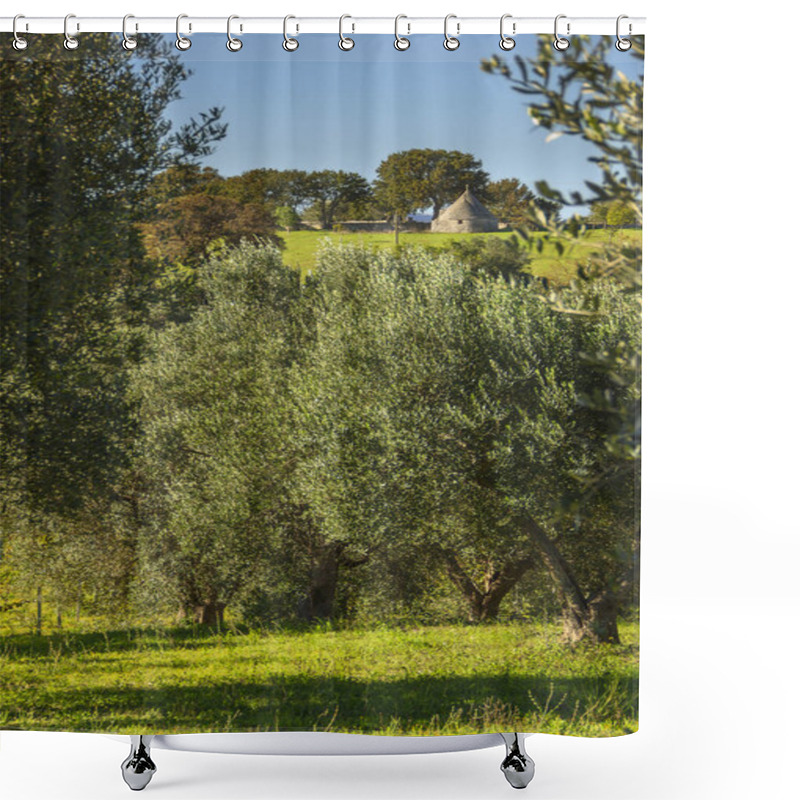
<point x="216" y="452"/>
<point x="412" y="180"/>
<point x="579" y="92"/>
<point x="82" y="136"/>
<point x="444" y="409"/>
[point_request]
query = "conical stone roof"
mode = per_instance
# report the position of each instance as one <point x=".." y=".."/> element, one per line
<point x="466" y="215"/>
<point x="466" y="207"/>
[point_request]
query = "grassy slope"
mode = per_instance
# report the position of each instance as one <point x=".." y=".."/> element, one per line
<point x="301" y="247"/>
<point x="419" y="681"/>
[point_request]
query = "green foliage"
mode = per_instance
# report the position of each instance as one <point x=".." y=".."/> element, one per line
<point x="413" y="180"/>
<point x="216" y="450"/>
<point x="325" y="191"/>
<point x="394" y="414"/>
<point x="442" y="403"/>
<point x="181" y="179"/>
<point x="182" y="229"/>
<point x="287" y="218"/>
<point x="614" y="214"/>
<point x="508" y="199"/>
<point x="82" y="136"/>
<point x="276" y="187"/>
<point x="621" y="214"/>
<point x="492" y="256"/>
<point x="578" y="93"/>
<point x="512" y="202"/>
<point x="598" y="213"/>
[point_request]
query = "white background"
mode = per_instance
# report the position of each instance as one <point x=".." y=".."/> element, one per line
<point x="720" y="598"/>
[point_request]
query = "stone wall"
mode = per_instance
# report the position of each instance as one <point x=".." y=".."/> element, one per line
<point x="463" y="226"/>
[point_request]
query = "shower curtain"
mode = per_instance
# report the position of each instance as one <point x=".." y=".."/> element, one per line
<point x="320" y="384"/>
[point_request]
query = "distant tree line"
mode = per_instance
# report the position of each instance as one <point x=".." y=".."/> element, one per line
<point x="612" y="214"/>
<point x="191" y="206"/>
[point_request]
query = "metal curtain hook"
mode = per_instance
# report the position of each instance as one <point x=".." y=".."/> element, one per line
<point x="19" y="43"/>
<point x="506" y="42"/>
<point x="559" y="42"/>
<point x="451" y="42"/>
<point x="289" y="44"/>
<point x="401" y="42"/>
<point x="128" y="42"/>
<point x="623" y="44"/>
<point x="182" y="43"/>
<point x="344" y="42"/>
<point x="70" y="42"/>
<point x="233" y="44"/>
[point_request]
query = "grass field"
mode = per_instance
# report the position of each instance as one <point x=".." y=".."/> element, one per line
<point x="301" y="247"/>
<point x="418" y="681"/>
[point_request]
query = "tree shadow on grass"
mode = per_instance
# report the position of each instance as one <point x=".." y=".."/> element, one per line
<point x="155" y="637"/>
<point x="122" y="639"/>
<point x="420" y="705"/>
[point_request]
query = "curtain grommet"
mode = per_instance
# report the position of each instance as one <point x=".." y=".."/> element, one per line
<point x="401" y="43"/>
<point x="622" y="44"/>
<point x="560" y="43"/>
<point x="345" y="43"/>
<point x="451" y="43"/>
<point x="70" y="41"/>
<point x="290" y="44"/>
<point x="507" y="42"/>
<point x="182" y="42"/>
<point x="233" y="44"/>
<point x="18" y="43"/>
<point x="128" y="42"/>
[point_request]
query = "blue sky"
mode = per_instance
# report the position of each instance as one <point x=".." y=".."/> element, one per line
<point x="321" y="108"/>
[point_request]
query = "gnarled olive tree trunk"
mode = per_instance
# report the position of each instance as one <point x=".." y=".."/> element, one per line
<point x="592" y="618"/>
<point x="209" y="613"/>
<point x="484" y="599"/>
<point x="202" y="605"/>
<point x="323" y="577"/>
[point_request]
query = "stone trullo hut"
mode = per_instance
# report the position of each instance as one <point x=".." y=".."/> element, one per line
<point x="466" y="215"/>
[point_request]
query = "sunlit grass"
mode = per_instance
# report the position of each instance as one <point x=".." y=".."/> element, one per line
<point x="422" y="680"/>
<point x="301" y="247"/>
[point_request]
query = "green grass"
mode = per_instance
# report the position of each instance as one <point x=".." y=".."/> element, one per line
<point x="417" y="681"/>
<point x="301" y="247"/>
